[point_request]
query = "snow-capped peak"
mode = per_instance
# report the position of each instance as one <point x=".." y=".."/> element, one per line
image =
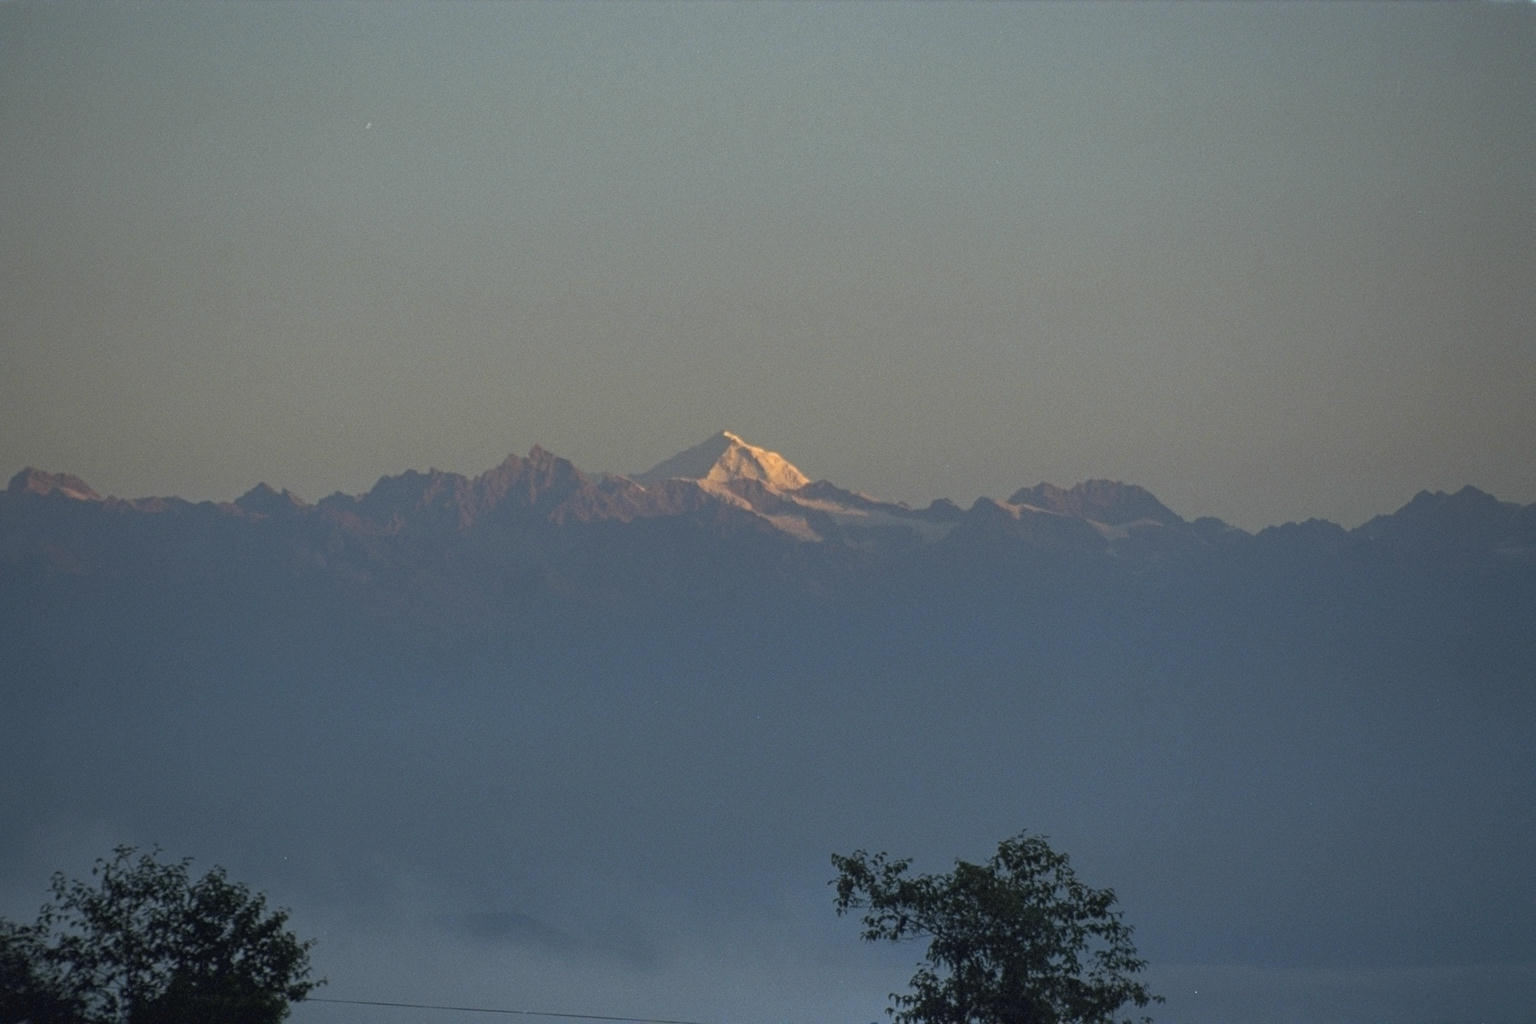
<point x="725" y="458"/>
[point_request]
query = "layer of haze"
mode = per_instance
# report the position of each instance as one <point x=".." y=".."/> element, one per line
<point x="1271" y="261"/>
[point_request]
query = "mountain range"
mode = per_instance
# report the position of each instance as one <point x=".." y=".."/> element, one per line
<point x="564" y="739"/>
<point x="541" y="511"/>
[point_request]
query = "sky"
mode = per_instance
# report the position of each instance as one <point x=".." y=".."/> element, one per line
<point x="1270" y="261"/>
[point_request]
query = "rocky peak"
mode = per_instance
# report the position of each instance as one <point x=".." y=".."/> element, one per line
<point x="264" y="500"/>
<point x="35" y="481"/>
<point x="725" y="459"/>
<point x="1469" y="518"/>
<point x="1101" y="501"/>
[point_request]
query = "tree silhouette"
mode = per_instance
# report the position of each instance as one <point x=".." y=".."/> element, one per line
<point x="143" y="943"/>
<point x="1017" y="940"/>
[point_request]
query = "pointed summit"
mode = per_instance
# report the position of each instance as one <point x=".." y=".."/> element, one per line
<point x="36" y="481"/>
<point x="726" y="458"/>
<point x="264" y="500"/>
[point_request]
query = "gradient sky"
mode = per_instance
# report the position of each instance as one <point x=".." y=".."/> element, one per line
<point x="1270" y="261"/>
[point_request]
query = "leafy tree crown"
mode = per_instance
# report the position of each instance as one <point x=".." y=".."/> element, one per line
<point x="144" y="943"/>
<point x="1017" y="940"/>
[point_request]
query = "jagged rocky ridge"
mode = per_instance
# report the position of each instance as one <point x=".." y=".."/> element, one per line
<point x="541" y="509"/>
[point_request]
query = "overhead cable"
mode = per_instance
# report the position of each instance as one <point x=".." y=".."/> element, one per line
<point x="487" y="1009"/>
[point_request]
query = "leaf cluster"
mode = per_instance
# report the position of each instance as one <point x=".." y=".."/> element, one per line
<point x="145" y="943"/>
<point x="1017" y="940"/>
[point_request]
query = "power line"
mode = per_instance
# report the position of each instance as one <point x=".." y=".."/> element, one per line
<point x="486" y="1009"/>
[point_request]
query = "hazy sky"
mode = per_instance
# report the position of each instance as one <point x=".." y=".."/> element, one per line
<point x="1270" y="261"/>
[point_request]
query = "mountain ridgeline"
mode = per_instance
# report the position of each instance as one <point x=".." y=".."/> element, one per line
<point x="735" y="532"/>
<point x="759" y="514"/>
